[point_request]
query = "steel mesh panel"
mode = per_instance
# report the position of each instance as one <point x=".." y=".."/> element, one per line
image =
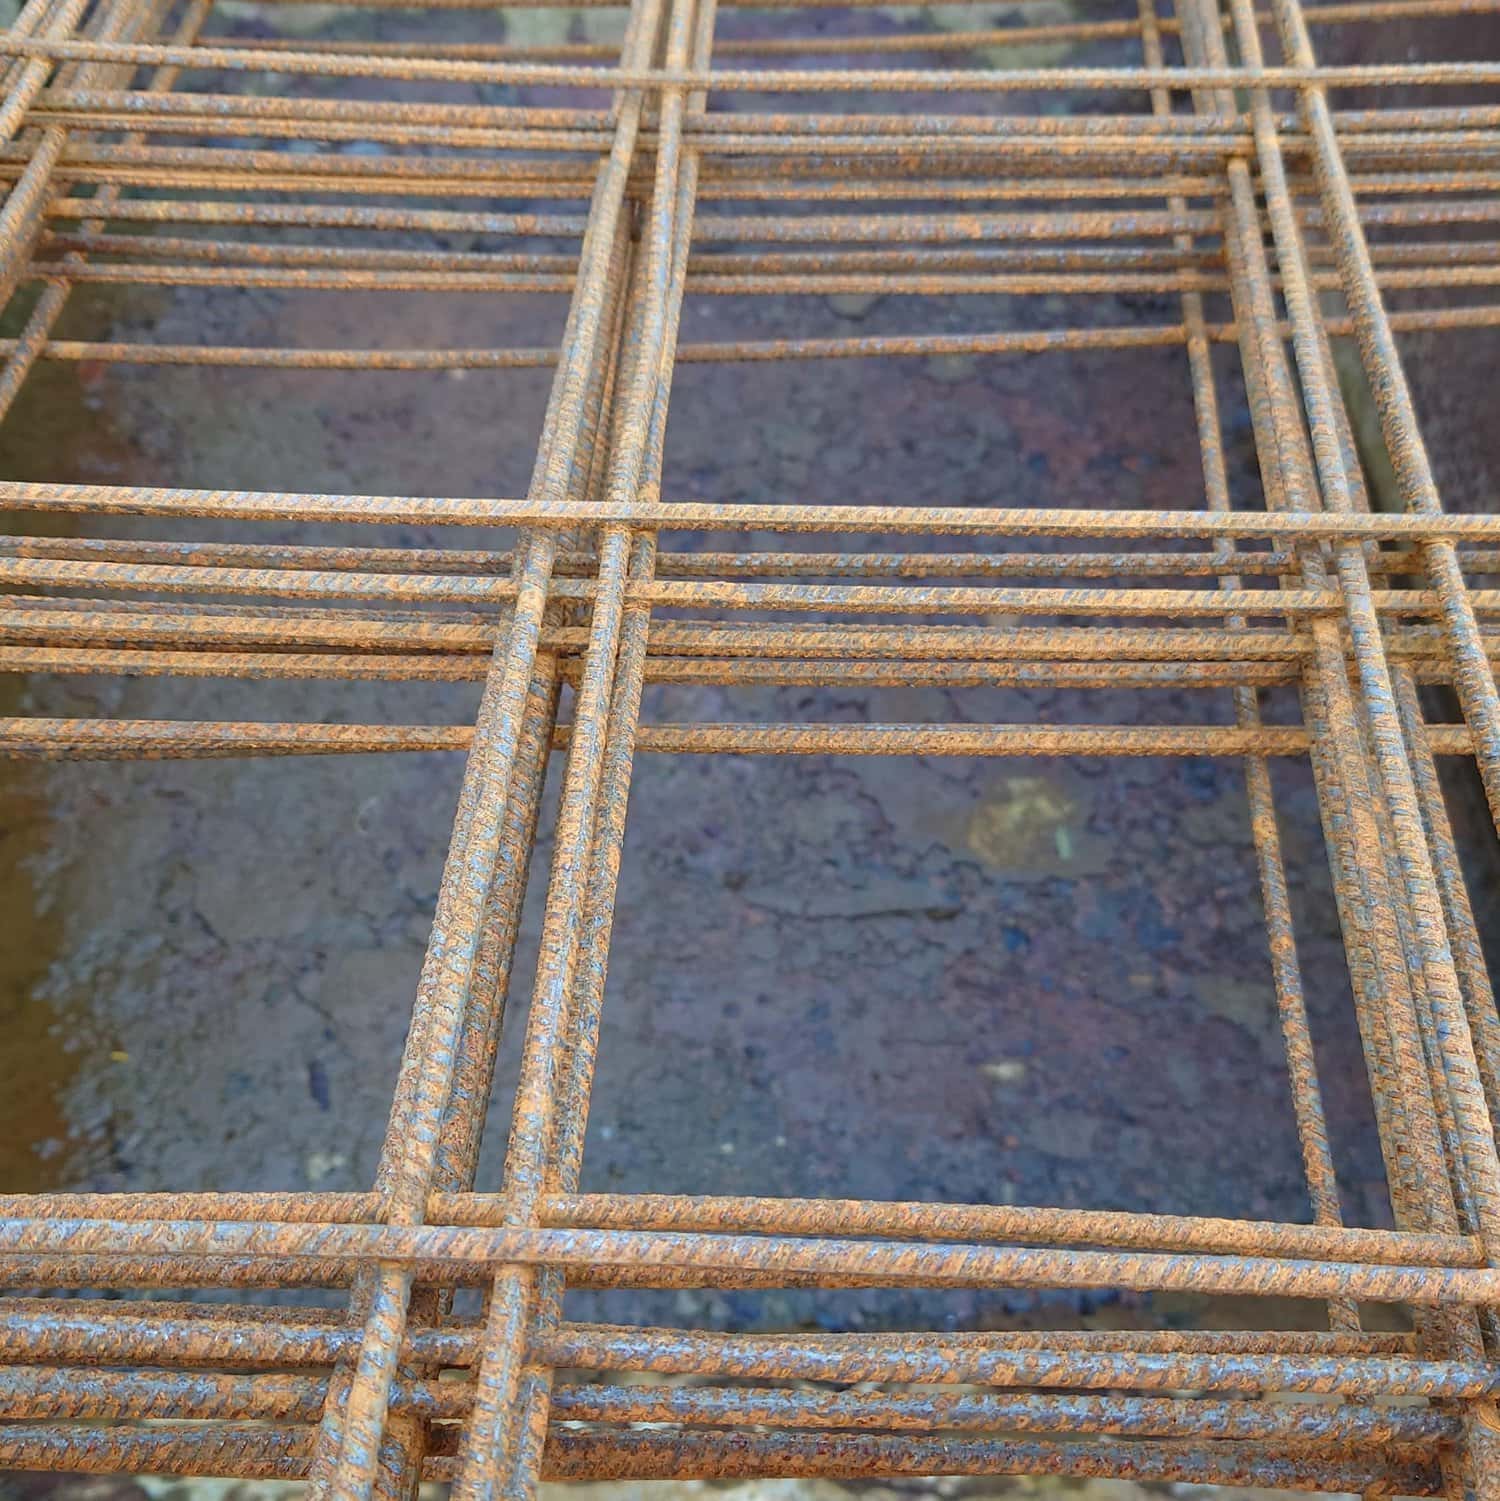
<point x="1209" y="169"/>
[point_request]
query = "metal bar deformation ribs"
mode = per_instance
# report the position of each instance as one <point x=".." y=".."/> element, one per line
<point x="1296" y="218"/>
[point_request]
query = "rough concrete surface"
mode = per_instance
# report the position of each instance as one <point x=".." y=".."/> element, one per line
<point x="1029" y="981"/>
<point x="1004" y="981"/>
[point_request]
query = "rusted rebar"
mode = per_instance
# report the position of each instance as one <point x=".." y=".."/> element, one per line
<point x="1206" y="165"/>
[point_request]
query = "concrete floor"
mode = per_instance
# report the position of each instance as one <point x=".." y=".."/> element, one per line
<point x="1030" y="982"/>
<point x="1058" y="966"/>
<point x="1036" y="981"/>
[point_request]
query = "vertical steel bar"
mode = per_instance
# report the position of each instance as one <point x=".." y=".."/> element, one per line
<point x="1426" y="1020"/>
<point x="21" y="219"/>
<point x="349" y="1451"/>
<point x="1463" y="931"/>
<point x="507" y="1430"/>
<point x="1376" y="972"/>
<point x="1473" y="677"/>
<point x="639" y="473"/>
<point x="1291" y="1006"/>
<point x="1470" y="1112"/>
<point x="1435" y="979"/>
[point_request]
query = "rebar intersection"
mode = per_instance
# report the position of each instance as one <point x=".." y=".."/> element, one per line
<point x="1225" y="180"/>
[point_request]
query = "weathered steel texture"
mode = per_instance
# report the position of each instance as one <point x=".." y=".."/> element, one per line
<point x="1210" y="175"/>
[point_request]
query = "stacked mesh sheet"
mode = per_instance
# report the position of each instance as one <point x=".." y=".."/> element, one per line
<point x="1286" y="221"/>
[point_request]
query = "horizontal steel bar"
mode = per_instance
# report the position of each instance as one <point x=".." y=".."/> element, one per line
<point x="65" y="1392"/>
<point x="269" y="1451"/>
<point x="36" y="738"/>
<point x="316" y="64"/>
<point x="893" y="1263"/>
<point x="251" y="505"/>
<point x="892" y="598"/>
<point x="920" y="1220"/>
<point x="1010" y="342"/>
<point x="729" y="671"/>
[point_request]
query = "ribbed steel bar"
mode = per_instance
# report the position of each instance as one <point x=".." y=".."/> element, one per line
<point x="138" y="152"/>
<point x="355" y="1423"/>
<point x="923" y="1221"/>
<point x="281" y="1452"/>
<point x="828" y="80"/>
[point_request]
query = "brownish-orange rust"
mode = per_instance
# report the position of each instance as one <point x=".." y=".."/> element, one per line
<point x="601" y="185"/>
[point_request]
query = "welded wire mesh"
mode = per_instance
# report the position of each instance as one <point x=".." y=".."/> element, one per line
<point x="1283" y="209"/>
